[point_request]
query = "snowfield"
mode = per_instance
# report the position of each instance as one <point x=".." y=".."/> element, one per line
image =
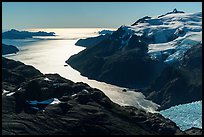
<point x="185" y="115"/>
<point x="171" y="34"/>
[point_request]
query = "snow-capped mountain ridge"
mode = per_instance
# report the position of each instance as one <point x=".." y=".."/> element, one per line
<point x="173" y="12"/>
<point x="175" y="24"/>
<point x="174" y="30"/>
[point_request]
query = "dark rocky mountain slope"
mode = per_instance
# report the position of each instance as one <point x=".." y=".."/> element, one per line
<point x="8" y="49"/>
<point x="116" y="62"/>
<point x="179" y="85"/>
<point x="134" y="56"/>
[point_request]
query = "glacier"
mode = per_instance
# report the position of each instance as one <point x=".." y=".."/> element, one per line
<point x="186" y="115"/>
<point x="176" y="32"/>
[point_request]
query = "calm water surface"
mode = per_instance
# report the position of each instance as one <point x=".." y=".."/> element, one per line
<point x="48" y="54"/>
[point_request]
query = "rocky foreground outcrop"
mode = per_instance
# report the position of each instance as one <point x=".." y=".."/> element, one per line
<point x="79" y="109"/>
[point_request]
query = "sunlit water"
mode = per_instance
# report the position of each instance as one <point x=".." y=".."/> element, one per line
<point x="48" y="54"/>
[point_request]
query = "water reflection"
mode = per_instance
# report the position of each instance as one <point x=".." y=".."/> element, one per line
<point x="49" y="56"/>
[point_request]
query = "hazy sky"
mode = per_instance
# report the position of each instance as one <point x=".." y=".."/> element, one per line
<point x="20" y="15"/>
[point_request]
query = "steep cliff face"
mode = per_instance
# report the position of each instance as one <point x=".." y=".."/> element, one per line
<point x="49" y="104"/>
<point x="179" y="85"/>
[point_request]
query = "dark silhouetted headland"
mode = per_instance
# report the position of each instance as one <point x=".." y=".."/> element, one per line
<point x="9" y="49"/>
<point x="15" y="34"/>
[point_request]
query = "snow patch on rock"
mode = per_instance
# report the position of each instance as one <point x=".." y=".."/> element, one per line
<point x="10" y="94"/>
<point x="47" y="79"/>
<point x="5" y="91"/>
<point x="55" y="101"/>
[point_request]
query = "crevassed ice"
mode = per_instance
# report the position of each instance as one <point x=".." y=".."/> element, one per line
<point x="187" y="26"/>
<point x="181" y="50"/>
<point x="186" y="115"/>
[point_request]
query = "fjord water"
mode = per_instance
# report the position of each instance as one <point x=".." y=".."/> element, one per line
<point x="48" y="54"/>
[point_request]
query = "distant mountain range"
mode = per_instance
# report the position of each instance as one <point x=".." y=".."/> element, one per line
<point x="15" y="34"/>
<point x="151" y="50"/>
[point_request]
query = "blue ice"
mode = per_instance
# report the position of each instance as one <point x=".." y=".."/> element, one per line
<point x="186" y="115"/>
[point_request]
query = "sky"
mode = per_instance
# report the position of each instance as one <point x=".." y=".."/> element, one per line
<point x="25" y="15"/>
